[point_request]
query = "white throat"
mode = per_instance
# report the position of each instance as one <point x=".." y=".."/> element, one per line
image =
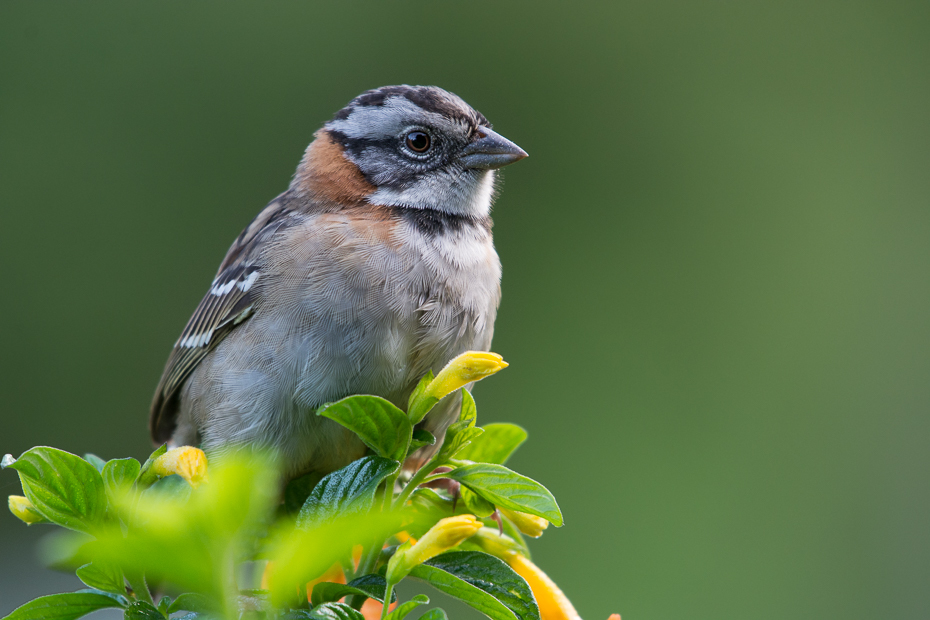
<point x="471" y="196"/>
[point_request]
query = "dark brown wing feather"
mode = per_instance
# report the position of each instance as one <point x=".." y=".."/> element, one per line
<point x="231" y="300"/>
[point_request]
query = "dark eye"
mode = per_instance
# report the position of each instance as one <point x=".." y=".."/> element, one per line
<point x="418" y="141"/>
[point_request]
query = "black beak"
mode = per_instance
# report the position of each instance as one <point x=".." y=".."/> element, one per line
<point x="490" y="151"/>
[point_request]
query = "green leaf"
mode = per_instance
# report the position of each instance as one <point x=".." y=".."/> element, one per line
<point x="334" y="611"/>
<point x="303" y="555"/>
<point x="400" y="612"/>
<point x="506" y="488"/>
<point x="496" y="445"/>
<point x="347" y="490"/>
<point x="64" y="488"/>
<point x="422" y="438"/>
<point x="140" y="610"/>
<point x="103" y="576"/>
<point x="379" y="424"/>
<point x="371" y="586"/>
<point x="66" y="606"/>
<point x="95" y="460"/>
<point x="163" y="604"/>
<point x="119" y="476"/>
<point x="486" y="583"/>
<point x="191" y="601"/>
<point x="476" y="504"/>
<point x="435" y="614"/>
<point x="146" y="475"/>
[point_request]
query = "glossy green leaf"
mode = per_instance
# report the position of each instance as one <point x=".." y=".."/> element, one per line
<point x="64" y="488"/>
<point x="371" y="586"/>
<point x="95" y="460"/>
<point x="346" y="491"/>
<point x="496" y="445"/>
<point x="506" y="488"/>
<point x="435" y="614"/>
<point x="192" y="601"/>
<point x="486" y="583"/>
<point x="401" y="611"/>
<point x="119" y="476"/>
<point x="104" y="576"/>
<point x="140" y="610"/>
<point x="163" y="604"/>
<point x="333" y="611"/>
<point x="379" y="424"/>
<point x="66" y="606"/>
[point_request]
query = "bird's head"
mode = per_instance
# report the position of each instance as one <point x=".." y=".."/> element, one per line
<point x="418" y="147"/>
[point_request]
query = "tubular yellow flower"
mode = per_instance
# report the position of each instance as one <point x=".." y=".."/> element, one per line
<point x="447" y="533"/>
<point x="462" y="370"/>
<point x="23" y="510"/>
<point x="553" y="604"/>
<point x="530" y="525"/>
<point x="187" y="462"/>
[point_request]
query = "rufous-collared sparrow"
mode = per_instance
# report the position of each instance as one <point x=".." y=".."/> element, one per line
<point x="375" y="266"/>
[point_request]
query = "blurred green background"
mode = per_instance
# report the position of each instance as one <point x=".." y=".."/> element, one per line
<point x="716" y="259"/>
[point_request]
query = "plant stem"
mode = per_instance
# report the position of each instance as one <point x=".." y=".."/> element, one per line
<point x="388" y="591"/>
<point x="413" y="483"/>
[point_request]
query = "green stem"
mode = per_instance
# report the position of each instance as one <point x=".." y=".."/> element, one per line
<point x="388" y="591"/>
<point x="418" y="479"/>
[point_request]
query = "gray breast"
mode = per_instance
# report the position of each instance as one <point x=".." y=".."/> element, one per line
<point x="348" y="305"/>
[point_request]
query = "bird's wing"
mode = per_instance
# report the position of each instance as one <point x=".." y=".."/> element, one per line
<point x="231" y="300"/>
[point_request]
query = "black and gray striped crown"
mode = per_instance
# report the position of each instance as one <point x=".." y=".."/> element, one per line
<point x="431" y="99"/>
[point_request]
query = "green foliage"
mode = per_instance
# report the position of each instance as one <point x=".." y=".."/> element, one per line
<point x="496" y="445"/>
<point x="504" y="487"/>
<point x="346" y="491"/>
<point x="64" y="488"/>
<point x="132" y="525"/>
<point x="66" y="606"/>
<point x="379" y="424"/>
<point x="483" y="581"/>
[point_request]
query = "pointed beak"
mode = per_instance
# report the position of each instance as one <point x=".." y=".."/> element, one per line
<point x="490" y="151"/>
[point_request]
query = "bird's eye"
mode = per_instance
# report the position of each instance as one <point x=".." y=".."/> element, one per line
<point x="418" y="141"/>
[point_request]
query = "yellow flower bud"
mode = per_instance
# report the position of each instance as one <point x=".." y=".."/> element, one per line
<point x="187" y="462"/>
<point x="23" y="509"/>
<point x="530" y="525"/>
<point x="447" y="533"/>
<point x="553" y="604"/>
<point x="462" y="370"/>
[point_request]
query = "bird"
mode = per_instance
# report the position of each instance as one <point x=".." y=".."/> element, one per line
<point x="375" y="266"/>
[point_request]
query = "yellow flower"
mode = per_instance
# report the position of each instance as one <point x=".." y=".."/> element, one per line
<point x="531" y="525"/>
<point x="462" y="370"/>
<point x="23" y="509"/>
<point x="447" y="533"/>
<point x="187" y="462"/>
<point x="553" y="604"/>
